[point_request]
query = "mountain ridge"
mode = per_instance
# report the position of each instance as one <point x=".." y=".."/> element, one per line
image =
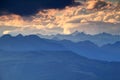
<point x="83" y="48"/>
<point x="99" y="39"/>
<point x="55" y="65"/>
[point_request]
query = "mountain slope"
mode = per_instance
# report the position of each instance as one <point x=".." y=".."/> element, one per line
<point x="31" y="42"/>
<point x="54" y="65"/>
<point x="83" y="48"/>
<point x="99" y="39"/>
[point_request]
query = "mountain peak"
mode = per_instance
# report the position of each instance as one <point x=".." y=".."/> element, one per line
<point x="19" y="36"/>
<point x="6" y="36"/>
<point x="33" y="37"/>
<point x="77" y="33"/>
<point x="104" y="34"/>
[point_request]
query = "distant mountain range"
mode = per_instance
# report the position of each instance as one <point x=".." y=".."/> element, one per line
<point x="27" y="43"/>
<point x="34" y="58"/>
<point x="99" y="39"/>
<point x="108" y="52"/>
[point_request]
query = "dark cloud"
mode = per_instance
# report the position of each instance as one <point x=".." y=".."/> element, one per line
<point x="28" y="7"/>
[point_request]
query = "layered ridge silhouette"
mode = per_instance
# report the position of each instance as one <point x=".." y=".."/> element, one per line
<point x="109" y="52"/>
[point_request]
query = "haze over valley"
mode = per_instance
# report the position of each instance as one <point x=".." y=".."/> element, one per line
<point x="59" y="40"/>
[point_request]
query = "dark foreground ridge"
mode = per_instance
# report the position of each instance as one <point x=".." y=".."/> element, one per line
<point x="54" y="65"/>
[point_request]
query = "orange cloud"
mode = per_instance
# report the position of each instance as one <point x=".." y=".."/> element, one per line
<point x="67" y="20"/>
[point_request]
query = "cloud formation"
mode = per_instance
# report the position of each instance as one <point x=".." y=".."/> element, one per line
<point x="65" y="21"/>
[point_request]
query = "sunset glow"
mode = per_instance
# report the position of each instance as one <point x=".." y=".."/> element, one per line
<point x="67" y="20"/>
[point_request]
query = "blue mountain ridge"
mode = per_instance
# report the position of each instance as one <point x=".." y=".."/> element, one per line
<point x="99" y="39"/>
<point x="54" y="65"/>
<point x="34" y="58"/>
<point x="109" y="52"/>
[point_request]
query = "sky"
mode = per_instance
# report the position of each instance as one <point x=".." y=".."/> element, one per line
<point x="28" y="7"/>
<point x="57" y="17"/>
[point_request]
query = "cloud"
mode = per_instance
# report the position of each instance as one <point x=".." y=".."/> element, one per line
<point x="65" y="21"/>
<point x="97" y="27"/>
<point x="12" y="20"/>
<point x="96" y="4"/>
<point x="6" y="28"/>
<point x="6" y="32"/>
